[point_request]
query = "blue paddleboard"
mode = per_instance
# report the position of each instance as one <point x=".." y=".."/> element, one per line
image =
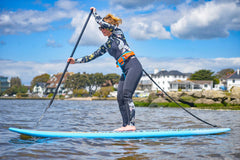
<point x="129" y="134"/>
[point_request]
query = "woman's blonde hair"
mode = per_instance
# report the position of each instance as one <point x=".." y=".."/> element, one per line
<point x="112" y="20"/>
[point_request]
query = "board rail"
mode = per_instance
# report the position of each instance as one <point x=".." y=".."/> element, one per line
<point x="128" y="134"/>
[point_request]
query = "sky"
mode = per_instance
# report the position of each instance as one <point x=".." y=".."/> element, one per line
<point x="37" y="36"/>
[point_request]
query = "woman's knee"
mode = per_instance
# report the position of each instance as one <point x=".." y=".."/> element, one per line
<point x="120" y="99"/>
<point x="127" y="95"/>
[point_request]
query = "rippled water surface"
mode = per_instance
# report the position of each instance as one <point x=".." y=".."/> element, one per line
<point x="105" y="116"/>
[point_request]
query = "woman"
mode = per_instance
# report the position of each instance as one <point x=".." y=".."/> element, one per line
<point x="117" y="47"/>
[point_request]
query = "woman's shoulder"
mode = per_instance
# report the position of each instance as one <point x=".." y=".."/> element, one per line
<point x="117" y="31"/>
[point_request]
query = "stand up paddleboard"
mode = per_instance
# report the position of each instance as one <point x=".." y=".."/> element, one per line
<point x="129" y="134"/>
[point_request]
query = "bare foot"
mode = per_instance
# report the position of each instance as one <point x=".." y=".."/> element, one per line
<point x="119" y="129"/>
<point x="127" y="128"/>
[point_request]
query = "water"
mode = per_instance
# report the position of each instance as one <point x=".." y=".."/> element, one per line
<point x="105" y="116"/>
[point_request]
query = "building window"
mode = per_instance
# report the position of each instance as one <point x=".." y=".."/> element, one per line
<point x="205" y="85"/>
<point x="233" y="81"/>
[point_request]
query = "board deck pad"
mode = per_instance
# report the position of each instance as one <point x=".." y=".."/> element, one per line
<point x="128" y="134"/>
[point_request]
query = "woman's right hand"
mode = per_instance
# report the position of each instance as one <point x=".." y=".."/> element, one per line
<point x="93" y="8"/>
<point x="71" y="60"/>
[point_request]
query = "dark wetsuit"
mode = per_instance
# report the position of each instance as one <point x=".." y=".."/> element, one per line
<point x="116" y="45"/>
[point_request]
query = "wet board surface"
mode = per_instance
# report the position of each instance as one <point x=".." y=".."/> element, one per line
<point x="129" y="134"/>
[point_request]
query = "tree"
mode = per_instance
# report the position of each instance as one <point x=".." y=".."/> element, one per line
<point x="92" y="81"/>
<point x="80" y="92"/>
<point x="204" y="75"/>
<point x="95" y="81"/>
<point x="81" y="81"/>
<point x="16" y="87"/>
<point x="224" y="73"/>
<point x="104" y="91"/>
<point x="77" y="81"/>
<point x="113" y="77"/>
<point x="40" y="79"/>
<point x="15" y="81"/>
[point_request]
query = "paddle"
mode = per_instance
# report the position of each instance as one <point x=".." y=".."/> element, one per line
<point x="60" y="81"/>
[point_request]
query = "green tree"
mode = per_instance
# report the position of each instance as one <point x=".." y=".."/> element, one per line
<point x="15" y="81"/>
<point x="104" y="91"/>
<point x="77" y="81"/>
<point x="113" y="77"/>
<point x="11" y="91"/>
<point x="95" y="81"/>
<point x="16" y="87"/>
<point x="224" y="73"/>
<point x="91" y="81"/>
<point x="204" y="75"/>
<point x="43" y="78"/>
<point x="80" y="92"/>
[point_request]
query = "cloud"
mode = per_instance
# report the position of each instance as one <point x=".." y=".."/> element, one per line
<point x="186" y="65"/>
<point x="143" y="31"/>
<point x="28" y="70"/>
<point x="148" y="26"/>
<point x="207" y="21"/>
<point x="140" y="4"/>
<point x="52" y="43"/>
<point x="187" y="20"/>
<point x="143" y="20"/>
<point x="28" y="21"/>
<point x="131" y="4"/>
<point x="66" y="4"/>
<point x="91" y="34"/>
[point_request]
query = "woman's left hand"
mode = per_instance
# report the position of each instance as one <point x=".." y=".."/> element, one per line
<point x="93" y="8"/>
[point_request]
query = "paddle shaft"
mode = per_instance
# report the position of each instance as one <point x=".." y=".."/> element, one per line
<point x="65" y="70"/>
<point x="176" y="102"/>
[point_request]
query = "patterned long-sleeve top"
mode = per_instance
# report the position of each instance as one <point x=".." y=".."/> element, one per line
<point x="116" y="44"/>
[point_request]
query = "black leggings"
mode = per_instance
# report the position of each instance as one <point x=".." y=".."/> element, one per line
<point x="126" y="88"/>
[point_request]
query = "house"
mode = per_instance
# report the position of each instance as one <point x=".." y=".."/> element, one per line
<point x="183" y="85"/>
<point x="204" y="84"/>
<point x="39" y="89"/>
<point x="191" y="85"/>
<point x="233" y="80"/>
<point x="162" y="78"/>
<point x="145" y="84"/>
<point x="222" y="83"/>
<point x="4" y="83"/>
<point x="173" y="81"/>
<point x="52" y="83"/>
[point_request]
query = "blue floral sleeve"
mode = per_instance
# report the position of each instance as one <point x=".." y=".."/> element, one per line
<point x="102" y="50"/>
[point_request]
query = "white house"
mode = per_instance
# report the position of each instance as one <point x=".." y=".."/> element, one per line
<point x="162" y="78"/>
<point x="191" y="85"/>
<point x="173" y="81"/>
<point x="39" y="89"/>
<point x="52" y="83"/>
<point x="233" y="80"/>
<point x="204" y="84"/>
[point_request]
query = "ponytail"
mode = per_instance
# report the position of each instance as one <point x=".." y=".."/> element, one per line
<point x="112" y="20"/>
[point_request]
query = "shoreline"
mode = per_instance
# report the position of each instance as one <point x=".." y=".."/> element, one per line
<point x="137" y="101"/>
